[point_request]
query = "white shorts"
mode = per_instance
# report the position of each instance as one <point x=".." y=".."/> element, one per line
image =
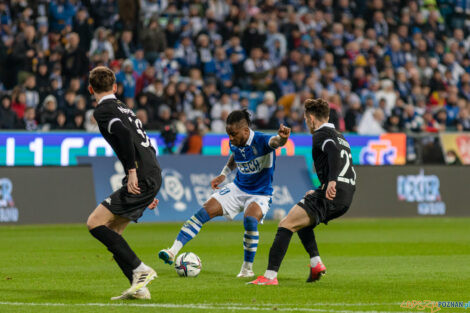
<point x="234" y="201"/>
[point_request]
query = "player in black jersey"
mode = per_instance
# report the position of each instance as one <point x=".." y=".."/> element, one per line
<point x="123" y="131"/>
<point x="333" y="164"/>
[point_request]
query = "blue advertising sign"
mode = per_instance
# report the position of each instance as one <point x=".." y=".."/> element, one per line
<point x="186" y="183"/>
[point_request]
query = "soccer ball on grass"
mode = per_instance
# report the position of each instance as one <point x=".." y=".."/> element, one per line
<point x="188" y="265"/>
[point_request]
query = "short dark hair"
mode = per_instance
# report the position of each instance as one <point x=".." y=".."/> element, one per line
<point x="102" y="79"/>
<point x="318" y="107"/>
<point x="238" y="116"/>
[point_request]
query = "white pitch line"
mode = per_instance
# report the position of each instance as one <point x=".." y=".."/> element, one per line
<point x="313" y="304"/>
<point x="188" y="306"/>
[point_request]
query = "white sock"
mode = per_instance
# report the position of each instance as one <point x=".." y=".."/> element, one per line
<point x="177" y="245"/>
<point x="314" y="261"/>
<point x="248" y="266"/>
<point x="141" y="268"/>
<point x="270" y="274"/>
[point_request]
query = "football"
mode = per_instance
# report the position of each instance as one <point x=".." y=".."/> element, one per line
<point x="188" y="265"/>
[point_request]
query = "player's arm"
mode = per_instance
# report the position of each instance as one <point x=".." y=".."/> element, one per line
<point x="127" y="153"/>
<point x="228" y="168"/>
<point x="282" y="136"/>
<point x="333" y="155"/>
<point x="108" y="121"/>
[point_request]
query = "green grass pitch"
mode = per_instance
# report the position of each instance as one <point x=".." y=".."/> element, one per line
<point x="373" y="266"/>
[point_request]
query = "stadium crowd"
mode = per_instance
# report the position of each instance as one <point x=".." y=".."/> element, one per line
<point x="182" y="66"/>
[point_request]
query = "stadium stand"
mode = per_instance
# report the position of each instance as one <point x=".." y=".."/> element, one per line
<point x="384" y="65"/>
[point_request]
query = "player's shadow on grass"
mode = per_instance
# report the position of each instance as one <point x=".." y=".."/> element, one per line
<point x="55" y="295"/>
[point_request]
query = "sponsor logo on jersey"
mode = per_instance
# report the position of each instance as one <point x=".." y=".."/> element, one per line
<point x="8" y="211"/>
<point x="256" y="165"/>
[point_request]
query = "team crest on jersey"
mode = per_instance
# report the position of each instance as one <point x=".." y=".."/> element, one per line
<point x="255" y="151"/>
<point x="242" y="151"/>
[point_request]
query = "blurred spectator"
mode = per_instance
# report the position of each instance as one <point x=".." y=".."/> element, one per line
<point x="166" y="66"/>
<point x="74" y="60"/>
<point x="192" y="144"/>
<point x="186" y="54"/>
<point x="83" y="26"/>
<point x="282" y="85"/>
<point x="371" y="123"/>
<point x="265" y="110"/>
<point x="128" y="78"/>
<point x="29" y="120"/>
<point x="126" y="47"/>
<point x="138" y="60"/>
<point x="257" y="69"/>
<point x="49" y="112"/>
<point x="8" y="118"/>
<point x="32" y="95"/>
<point x="353" y="116"/>
<point x="278" y="118"/>
<point x="61" y="13"/>
<point x="61" y="121"/>
<point x="18" y="104"/>
<point x="463" y="121"/>
<point x="100" y="43"/>
<point x="153" y="40"/>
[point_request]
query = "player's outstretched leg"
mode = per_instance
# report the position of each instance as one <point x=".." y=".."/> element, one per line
<point x="317" y="268"/>
<point x="295" y="220"/>
<point x="133" y="268"/>
<point x="191" y="228"/>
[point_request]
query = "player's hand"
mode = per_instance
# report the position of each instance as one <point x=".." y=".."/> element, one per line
<point x="284" y="131"/>
<point x="154" y="204"/>
<point x="310" y="192"/>
<point x="133" y="182"/>
<point x="217" y="181"/>
<point x="331" y="190"/>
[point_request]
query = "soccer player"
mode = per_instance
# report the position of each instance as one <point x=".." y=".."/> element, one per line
<point x="123" y="131"/>
<point x="254" y="155"/>
<point x="333" y="164"/>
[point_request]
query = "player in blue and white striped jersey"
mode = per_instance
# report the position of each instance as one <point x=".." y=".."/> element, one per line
<point x="254" y="156"/>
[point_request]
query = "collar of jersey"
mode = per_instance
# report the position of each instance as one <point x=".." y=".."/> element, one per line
<point x="326" y="125"/>
<point x="111" y="96"/>
<point x="250" y="139"/>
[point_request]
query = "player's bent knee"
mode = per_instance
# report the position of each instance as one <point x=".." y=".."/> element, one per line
<point x="91" y="222"/>
<point x="213" y="208"/>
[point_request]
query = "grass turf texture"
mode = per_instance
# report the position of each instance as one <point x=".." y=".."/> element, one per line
<point x="373" y="265"/>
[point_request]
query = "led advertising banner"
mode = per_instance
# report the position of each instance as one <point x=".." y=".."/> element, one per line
<point x="63" y="148"/>
<point x="406" y="191"/>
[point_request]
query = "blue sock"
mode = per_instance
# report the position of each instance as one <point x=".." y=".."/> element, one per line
<point x="190" y="229"/>
<point x="251" y="238"/>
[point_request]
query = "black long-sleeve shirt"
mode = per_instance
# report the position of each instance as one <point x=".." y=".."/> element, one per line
<point x="123" y="131"/>
<point x="333" y="162"/>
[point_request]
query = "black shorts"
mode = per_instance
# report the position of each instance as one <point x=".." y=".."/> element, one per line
<point x="321" y="209"/>
<point x="131" y="206"/>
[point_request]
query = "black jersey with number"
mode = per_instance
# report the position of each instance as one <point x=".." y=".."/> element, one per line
<point x="342" y="171"/>
<point x="111" y="111"/>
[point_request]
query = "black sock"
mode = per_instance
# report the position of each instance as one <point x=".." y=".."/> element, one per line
<point x="279" y="248"/>
<point x="116" y="245"/>
<point x="125" y="268"/>
<point x="307" y="236"/>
